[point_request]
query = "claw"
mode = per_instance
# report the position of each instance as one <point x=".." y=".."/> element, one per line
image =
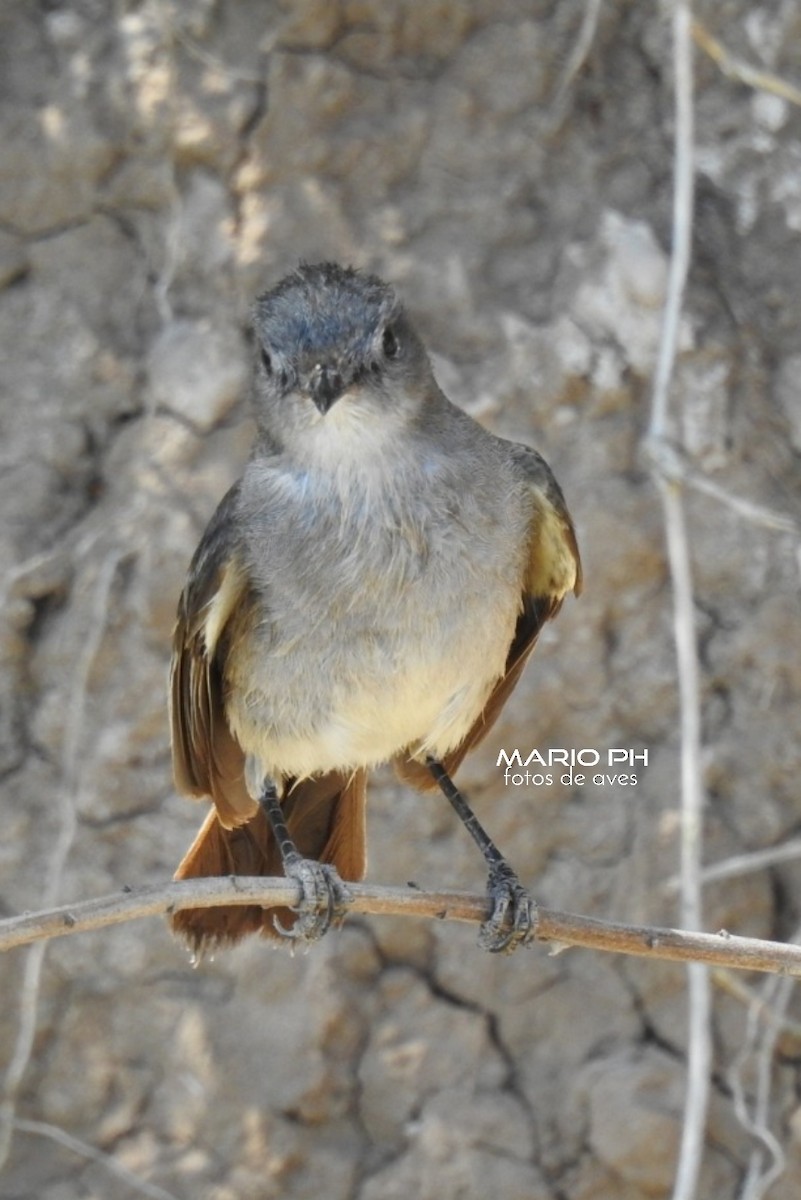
<point x="323" y="901"/>
<point x="513" y="918"/>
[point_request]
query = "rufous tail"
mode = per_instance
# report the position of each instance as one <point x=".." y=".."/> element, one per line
<point x="326" y="820"/>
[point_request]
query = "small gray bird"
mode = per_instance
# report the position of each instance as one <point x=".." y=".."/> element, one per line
<point x="369" y="591"/>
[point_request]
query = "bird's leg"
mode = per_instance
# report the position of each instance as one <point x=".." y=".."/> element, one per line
<point x="513" y="915"/>
<point x="323" y="894"/>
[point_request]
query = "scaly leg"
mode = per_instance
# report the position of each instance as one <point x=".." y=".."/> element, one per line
<point x="513" y="917"/>
<point x="324" y="895"/>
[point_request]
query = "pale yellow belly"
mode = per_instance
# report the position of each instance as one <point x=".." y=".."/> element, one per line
<point x="427" y="706"/>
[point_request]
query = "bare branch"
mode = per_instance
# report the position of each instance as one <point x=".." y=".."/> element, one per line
<point x="757" y="514"/>
<point x="575" y="61"/>
<point x="699" y="1039"/>
<point x="743" y="72"/>
<point x="84" y="1150"/>
<point x="766" y="1019"/>
<point x="32" y="972"/>
<point x="747" y="995"/>
<point x="561" y="929"/>
<point x="743" y="864"/>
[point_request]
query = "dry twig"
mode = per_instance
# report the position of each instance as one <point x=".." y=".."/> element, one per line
<point x="84" y="1150"/>
<point x="575" y="61"/>
<point x="561" y="929"/>
<point x="699" y="1041"/>
<point x="743" y="72"/>
<point x="32" y="971"/>
<point x="765" y="1022"/>
<point x="743" y="864"/>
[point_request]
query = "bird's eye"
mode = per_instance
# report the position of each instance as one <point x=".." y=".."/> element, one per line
<point x="389" y="343"/>
<point x="266" y="361"/>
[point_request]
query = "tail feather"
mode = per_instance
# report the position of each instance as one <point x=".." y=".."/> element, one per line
<point x="326" y="819"/>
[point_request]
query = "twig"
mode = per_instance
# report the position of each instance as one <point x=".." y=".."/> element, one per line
<point x="32" y="971"/>
<point x="672" y="465"/>
<point x="743" y="864"/>
<point x="742" y="72"/>
<point x="682" y="224"/>
<point x="575" y="61"/>
<point x="748" y="996"/>
<point x="561" y="929"/>
<point x="43" y="1129"/>
<point x="218" y="65"/>
<point x="767" y="1019"/>
<point x="699" y="1050"/>
<point x="756" y="1181"/>
<point x="757" y="514"/>
<point x="699" y="1039"/>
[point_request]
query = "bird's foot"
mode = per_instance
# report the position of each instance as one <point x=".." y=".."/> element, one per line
<point x="323" y="901"/>
<point x="513" y="919"/>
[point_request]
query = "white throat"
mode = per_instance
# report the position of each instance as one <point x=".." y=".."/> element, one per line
<point x="354" y="436"/>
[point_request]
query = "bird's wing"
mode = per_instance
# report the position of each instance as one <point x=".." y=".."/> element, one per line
<point x="552" y="569"/>
<point x="207" y="759"/>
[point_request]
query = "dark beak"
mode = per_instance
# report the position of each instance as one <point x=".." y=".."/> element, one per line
<point x="325" y="386"/>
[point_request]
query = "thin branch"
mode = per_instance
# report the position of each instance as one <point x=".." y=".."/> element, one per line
<point x="766" y="1020"/>
<point x="758" y="1129"/>
<point x="699" y="1039"/>
<point x="683" y="190"/>
<point x="671" y="473"/>
<point x="43" y="1129"/>
<point x="575" y="61"/>
<point x="218" y="65"/>
<point x="743" y="72"/>
<point x="748" y="996"/>
<point x="699" y="1050"/>
<point x="32" y="971"/>
<point x="757" y="514"/>
<point x="672" y="466"/>
<point x="743" y="864"/>
<point x="561" y="929"/>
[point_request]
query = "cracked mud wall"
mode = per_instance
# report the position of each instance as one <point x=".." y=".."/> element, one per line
<point x="159" y="164"/>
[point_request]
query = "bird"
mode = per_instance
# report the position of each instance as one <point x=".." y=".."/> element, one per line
<point x="367" y="592"/>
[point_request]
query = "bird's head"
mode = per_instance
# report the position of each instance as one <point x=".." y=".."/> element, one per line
<point x="335" y="351"/>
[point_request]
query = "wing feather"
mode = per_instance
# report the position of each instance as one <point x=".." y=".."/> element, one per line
<point x="207" y="759"/>
<point x="552" y="569"/>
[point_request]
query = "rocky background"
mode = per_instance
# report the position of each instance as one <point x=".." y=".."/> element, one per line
<point x="160" y="163"/>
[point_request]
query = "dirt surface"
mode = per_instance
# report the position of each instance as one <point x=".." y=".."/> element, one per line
<point x="160" y="163"/>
